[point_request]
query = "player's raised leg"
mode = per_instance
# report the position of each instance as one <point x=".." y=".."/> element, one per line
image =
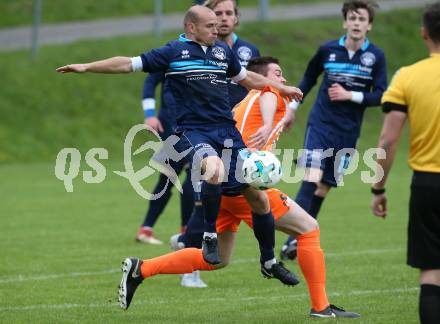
<point x="187" y="260"/>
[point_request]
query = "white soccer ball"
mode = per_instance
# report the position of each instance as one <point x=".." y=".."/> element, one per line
<point x="261" y="169"/>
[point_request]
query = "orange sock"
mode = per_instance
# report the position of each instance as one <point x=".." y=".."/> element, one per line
<point x="311" y="261"/>
<point x="182" y="261"/>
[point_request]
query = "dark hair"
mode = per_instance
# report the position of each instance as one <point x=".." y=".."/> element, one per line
<point x="431" y="21"/>
<point x="260" y="64"/>
<point x="355" y="5"/>
<point x="211" y="4"/>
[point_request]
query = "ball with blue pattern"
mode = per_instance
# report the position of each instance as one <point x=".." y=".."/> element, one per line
<point x="261" y="169"/>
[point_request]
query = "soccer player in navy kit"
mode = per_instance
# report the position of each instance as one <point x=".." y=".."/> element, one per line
<point x="228" y="18"/>
<point x="197" y="67"/>
<point x="354" y="78"/>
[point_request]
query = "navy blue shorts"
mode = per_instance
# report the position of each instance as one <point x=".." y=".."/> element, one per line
<point x="329" y="152"/>
<point x="225" y="142"/>
<point x="162" y="155"/>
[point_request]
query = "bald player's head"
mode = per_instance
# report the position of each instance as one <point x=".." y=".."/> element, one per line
<point x="200" y="24"/>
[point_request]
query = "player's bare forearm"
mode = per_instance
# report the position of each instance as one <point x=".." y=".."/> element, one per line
<point x="268" y="107"/>
<point x="257" y="81"/>
<point x="117" y="64"/>
<point x="389" y="138"/>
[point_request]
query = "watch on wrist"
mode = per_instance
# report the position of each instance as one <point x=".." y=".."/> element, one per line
<point x="375" y="191"/>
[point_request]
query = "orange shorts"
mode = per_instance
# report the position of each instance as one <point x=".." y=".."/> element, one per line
<point x="233" y="210"/>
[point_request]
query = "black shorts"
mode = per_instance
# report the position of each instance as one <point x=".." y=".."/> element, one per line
<point x="424" y="221"/>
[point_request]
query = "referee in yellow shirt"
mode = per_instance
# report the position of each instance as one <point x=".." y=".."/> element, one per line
<point x="414" y="94"/>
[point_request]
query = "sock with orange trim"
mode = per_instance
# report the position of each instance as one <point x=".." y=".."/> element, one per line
<point x="179" y="262"/>
<point x="312" y="264"/>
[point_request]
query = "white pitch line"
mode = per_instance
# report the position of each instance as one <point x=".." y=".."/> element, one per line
<point x="215" y="299"/>
<point x="56" y="276"/>
<point x="335" y="255"/>
<point x="22" y="278"/>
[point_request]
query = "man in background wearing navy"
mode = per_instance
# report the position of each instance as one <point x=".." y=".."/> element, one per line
<point x="354" y="78"/>
<point x="164" y="123"/>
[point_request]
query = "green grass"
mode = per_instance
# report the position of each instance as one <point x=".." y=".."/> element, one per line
<point x="61" y="251"/>
<point x="20" y="12"/>
<point x="66" y="248"/>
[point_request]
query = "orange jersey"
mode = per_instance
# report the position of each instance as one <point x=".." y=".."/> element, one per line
<point x="247" y="114"/>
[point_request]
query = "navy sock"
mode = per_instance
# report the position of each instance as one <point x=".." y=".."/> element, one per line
<point x="211" y="198"/>
<point x="305" y="194"/>
<point x="264" y="231"/>
<point x="157" y="206"/>
<point x="186" y="200"/>
<point x="429" y="304"/>
<point x="194" y="230"/>
<point x="315" y="206"/>
<point x="304" y="198"/>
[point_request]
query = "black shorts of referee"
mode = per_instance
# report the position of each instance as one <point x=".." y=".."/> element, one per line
<point x="424" y="221"/>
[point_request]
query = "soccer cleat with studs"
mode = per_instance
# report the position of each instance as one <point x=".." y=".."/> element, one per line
<point x="333" y="311"/>
<point x="131" y="279"/>
<point x="210" y="250"/>
<point x="193" y="280"/>
<point x="146" y="235"/>
<point x="175" y="244"/>
<point x="289" y="251"/>
<point x="278" y="271"/>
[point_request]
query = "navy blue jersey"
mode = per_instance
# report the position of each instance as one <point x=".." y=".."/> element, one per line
<point x="167" y="103"/>
<point x="364" y="72"/>
<point x="244" y="51"/>
<point x="197" y="80"/>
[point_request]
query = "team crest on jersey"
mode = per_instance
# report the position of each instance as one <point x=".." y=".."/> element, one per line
<point x="185" y="54"/>
<point x="332" y="57"/>
<point x="245" y="53"/>
<point x="368" y="59"/>
<point x="219" y="53"/>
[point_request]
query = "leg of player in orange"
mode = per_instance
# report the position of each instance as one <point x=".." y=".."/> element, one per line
<point x="310" y="254"/>
<point x="179" y="262"/>
<point x="182" y="261"/>
<point x="305" y="229"/>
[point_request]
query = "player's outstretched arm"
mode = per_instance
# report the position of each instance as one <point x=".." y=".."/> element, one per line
<point x="117" y="64"/>
<point x="257" y="81"/>
<point x="389" y="137"/>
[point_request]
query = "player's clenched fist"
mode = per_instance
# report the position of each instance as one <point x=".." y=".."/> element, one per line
<point x="292" y="92"/>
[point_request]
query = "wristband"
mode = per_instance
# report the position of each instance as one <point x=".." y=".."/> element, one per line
<point x="148" y="105"/>
<point x="136" y="64"/>
<point x="377" y="192"/>
<point x="149" y="113"/>
<point x="293" y="105"/>
<point x="357" y="97"/>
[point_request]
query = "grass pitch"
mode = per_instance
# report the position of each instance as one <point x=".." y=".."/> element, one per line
<point x="61" y="254"/>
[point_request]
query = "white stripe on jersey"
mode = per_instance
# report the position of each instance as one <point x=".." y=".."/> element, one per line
<point x="248" y="109"/>
<point x="192" y="71"/>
